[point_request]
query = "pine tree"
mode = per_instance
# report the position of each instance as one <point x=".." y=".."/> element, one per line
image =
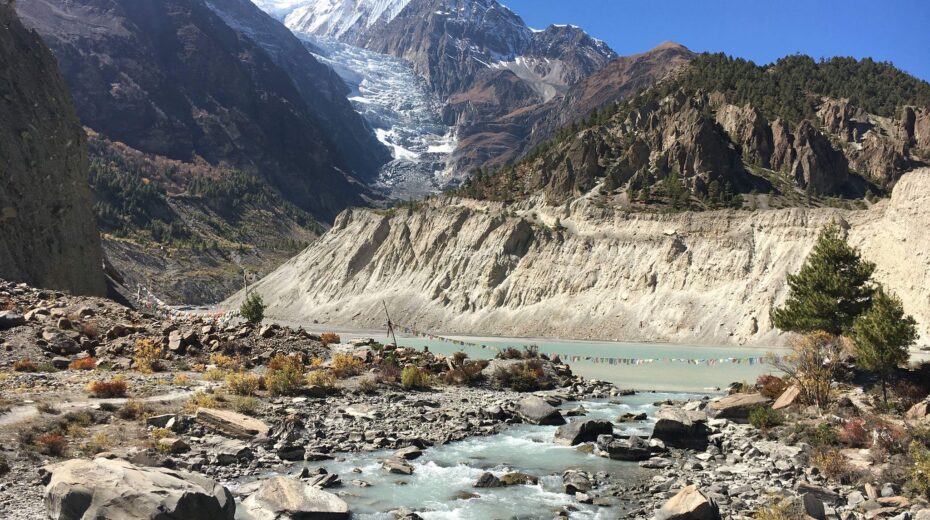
<point x="882" y="336"/>
<point x="830" y="291"/>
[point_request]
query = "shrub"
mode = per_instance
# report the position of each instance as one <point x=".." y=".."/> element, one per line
<point x="347" y="365"/>
<point x="4" y="466"/>
<point x="25" y="365"/>
<point x="523" y="377"/>
<point x="181" y="380"/>
<point x="215" y="374"/>
<point x="919" y="477"/>
<point x="812" y="365"/>
<point x="854" y="434"/>
<point x="763" y="418"/>
<point x="284" y="375"/>
<point x="243" y="383"/>
<point x="888" y="437"/>
<point x="131" y="410"/>
<point x="413" y="378"/>
<point x="246" y="404"/>
<point x="148" y="356"/>
<point x="509" y="353"/>
<point x="52" y="444"/>
<point x="48" y="408"/>
<point x="87" y="363"/>
<point x="771" y="386"/>
<point x="226" y="362"/>
<point x="321" y="378"/>
<point x="368" y="385"/>
<point x="115" y="387"/>
<point x="329" y="338"/>
<point x="388" y="373"/>
<point x="465" y="374"/>
<point x="201" y="400"/>
<point x="833" y="465"/>
<point x="99" y="442"/>
<point x="90" y="330"/>
<point x="780" y="508"/>
<point x="253" y="308"/>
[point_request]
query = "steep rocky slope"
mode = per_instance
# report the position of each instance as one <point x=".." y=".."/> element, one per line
<point x="580" y="270"/>
<point x="47" y="231"/>
<point x="173" y="79"/>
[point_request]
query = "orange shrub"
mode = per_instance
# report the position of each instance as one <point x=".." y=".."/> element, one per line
<point x="771" y="386"/>
<point x="87" y="363"/>
<point x="115" y="387"/>
<point x="25" y="365"/>
<point x="52" y="444"/>
<point x="854" y="434"/>
<point x="330" y="337"/>
<point x="347" y="365"/>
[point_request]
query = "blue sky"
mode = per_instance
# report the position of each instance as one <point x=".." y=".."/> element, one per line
<point x="760" y="30"/>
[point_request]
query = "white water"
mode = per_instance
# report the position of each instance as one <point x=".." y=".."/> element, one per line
<point x="444" y="471"/>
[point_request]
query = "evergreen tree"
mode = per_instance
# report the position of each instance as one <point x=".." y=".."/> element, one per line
<point x="882" y="336"/>
<point x="830" y="291"/>
<point x="253" y="308"/>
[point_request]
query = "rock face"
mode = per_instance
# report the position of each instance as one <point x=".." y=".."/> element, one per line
<point x="172" y="79"/>
<point x="811" y="160"/>
<point x="689" y="504"/>
<point x="48" y="235"/>
<point x="232" y="423"/>
<point x="289" y="498"/>
<point x="104" y="488"/>
<point x="709" y="277"/>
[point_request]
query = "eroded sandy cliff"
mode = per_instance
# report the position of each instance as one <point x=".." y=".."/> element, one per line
<point x="709" y="277"/>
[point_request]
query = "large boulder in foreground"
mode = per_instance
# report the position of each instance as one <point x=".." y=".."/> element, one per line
<point x="535" y="410"/>
<point x="582" y="430"/>
<point x="689" y="504"/>
<point x="736" y="407"/>
<point x="113" y="488"/>
<point x="679" y="428"/>
<point x="284" y="497"/>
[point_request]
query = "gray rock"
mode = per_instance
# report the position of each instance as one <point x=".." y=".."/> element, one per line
<point x="535" y="410"/>
<point x="689" y="504"/>
<point x="575" y="482"/>
<point x="398" y="466"/>
<point x="283" y="497"/>
<point x="408" y="453"/>
<point x="518" y="479"/>
<point x="10" y="319"/>
<point x="113" y="488"/>
<point x="488" y="480"/>
<point x="633" y="449"/>
<point x="681" y="428"/>
<point x="232" y="423"/>
<point x="579" y="431"/>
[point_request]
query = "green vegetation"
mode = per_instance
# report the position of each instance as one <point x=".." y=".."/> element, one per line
<point x="413" y="378"/>
<point x="253" y="308"/>
<point x="764" y="418"/>
<point x="881" y="337"/>
<point x="830" y="291"/>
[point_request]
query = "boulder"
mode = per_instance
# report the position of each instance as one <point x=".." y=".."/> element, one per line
<point x="113" y="488"/>
<point x="919" y="411"/>
<point x="408" y="453"/>
<point x="633" y="449"/>
<point x="173" y="445"/>
<point x="519" y="479"/>
<point x="579" y="431"/>
<point x="398" y="466"/>
<point x="535" y="410"/>
<point x="689" y="504"/>
<point x="575" y="482"/>
<point x="488" y="480"/>
<point x="736" y="407"/>
<point x="678" y="428"/>
<point x="10" y="319"/>
<point x="285" y="497"/>
<point x="232" y="423"/>
<point x="790" y="397"/>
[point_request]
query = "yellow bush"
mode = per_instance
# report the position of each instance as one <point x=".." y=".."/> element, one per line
<point x="215" y="374"/>
<point x="181" y="380"/>
<point x="226" y="362"/>
<point x="201" y="400"/>
<point x="243" y="383"/>
<point x="284" y="375"/>
<point x="833" y="465"/>
<point x="414" y="378"/>
<point x="328" y="338"/>
<point x="148" y="356"/>
<point x="322" y="378"/>
<point x="246" y="404"/>
<point x="115" y="387"/>
<point x="347" y="365"/>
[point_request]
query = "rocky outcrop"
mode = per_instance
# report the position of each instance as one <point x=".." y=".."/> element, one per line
<point x="809" y="158"/>
<point x="113" y="488"/>
<point x="749" y="128"/>
<point x="48" y="235"/>
<point x="689" y="504"/>
<point x="678" y="428"/>
<point x="737" y="407"/>
<point x="709" y="277"/>
<point x="582" y="430"/>
<point x="171" y="78"/>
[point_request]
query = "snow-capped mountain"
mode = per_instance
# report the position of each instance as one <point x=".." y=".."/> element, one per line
<point x="340" y="19"/>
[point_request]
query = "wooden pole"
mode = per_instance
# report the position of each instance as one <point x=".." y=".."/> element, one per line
<point x="390" y="324"/>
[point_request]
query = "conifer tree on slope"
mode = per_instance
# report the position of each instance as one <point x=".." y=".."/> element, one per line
<point x="882" y="336"/>
<point x="830" y="291"/>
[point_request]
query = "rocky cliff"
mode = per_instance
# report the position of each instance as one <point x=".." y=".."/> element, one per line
<point x="48" y="235"/>
<point x="579" y="270"/>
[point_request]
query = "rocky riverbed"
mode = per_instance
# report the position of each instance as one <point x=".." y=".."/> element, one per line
<point x="113" y="413"/>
